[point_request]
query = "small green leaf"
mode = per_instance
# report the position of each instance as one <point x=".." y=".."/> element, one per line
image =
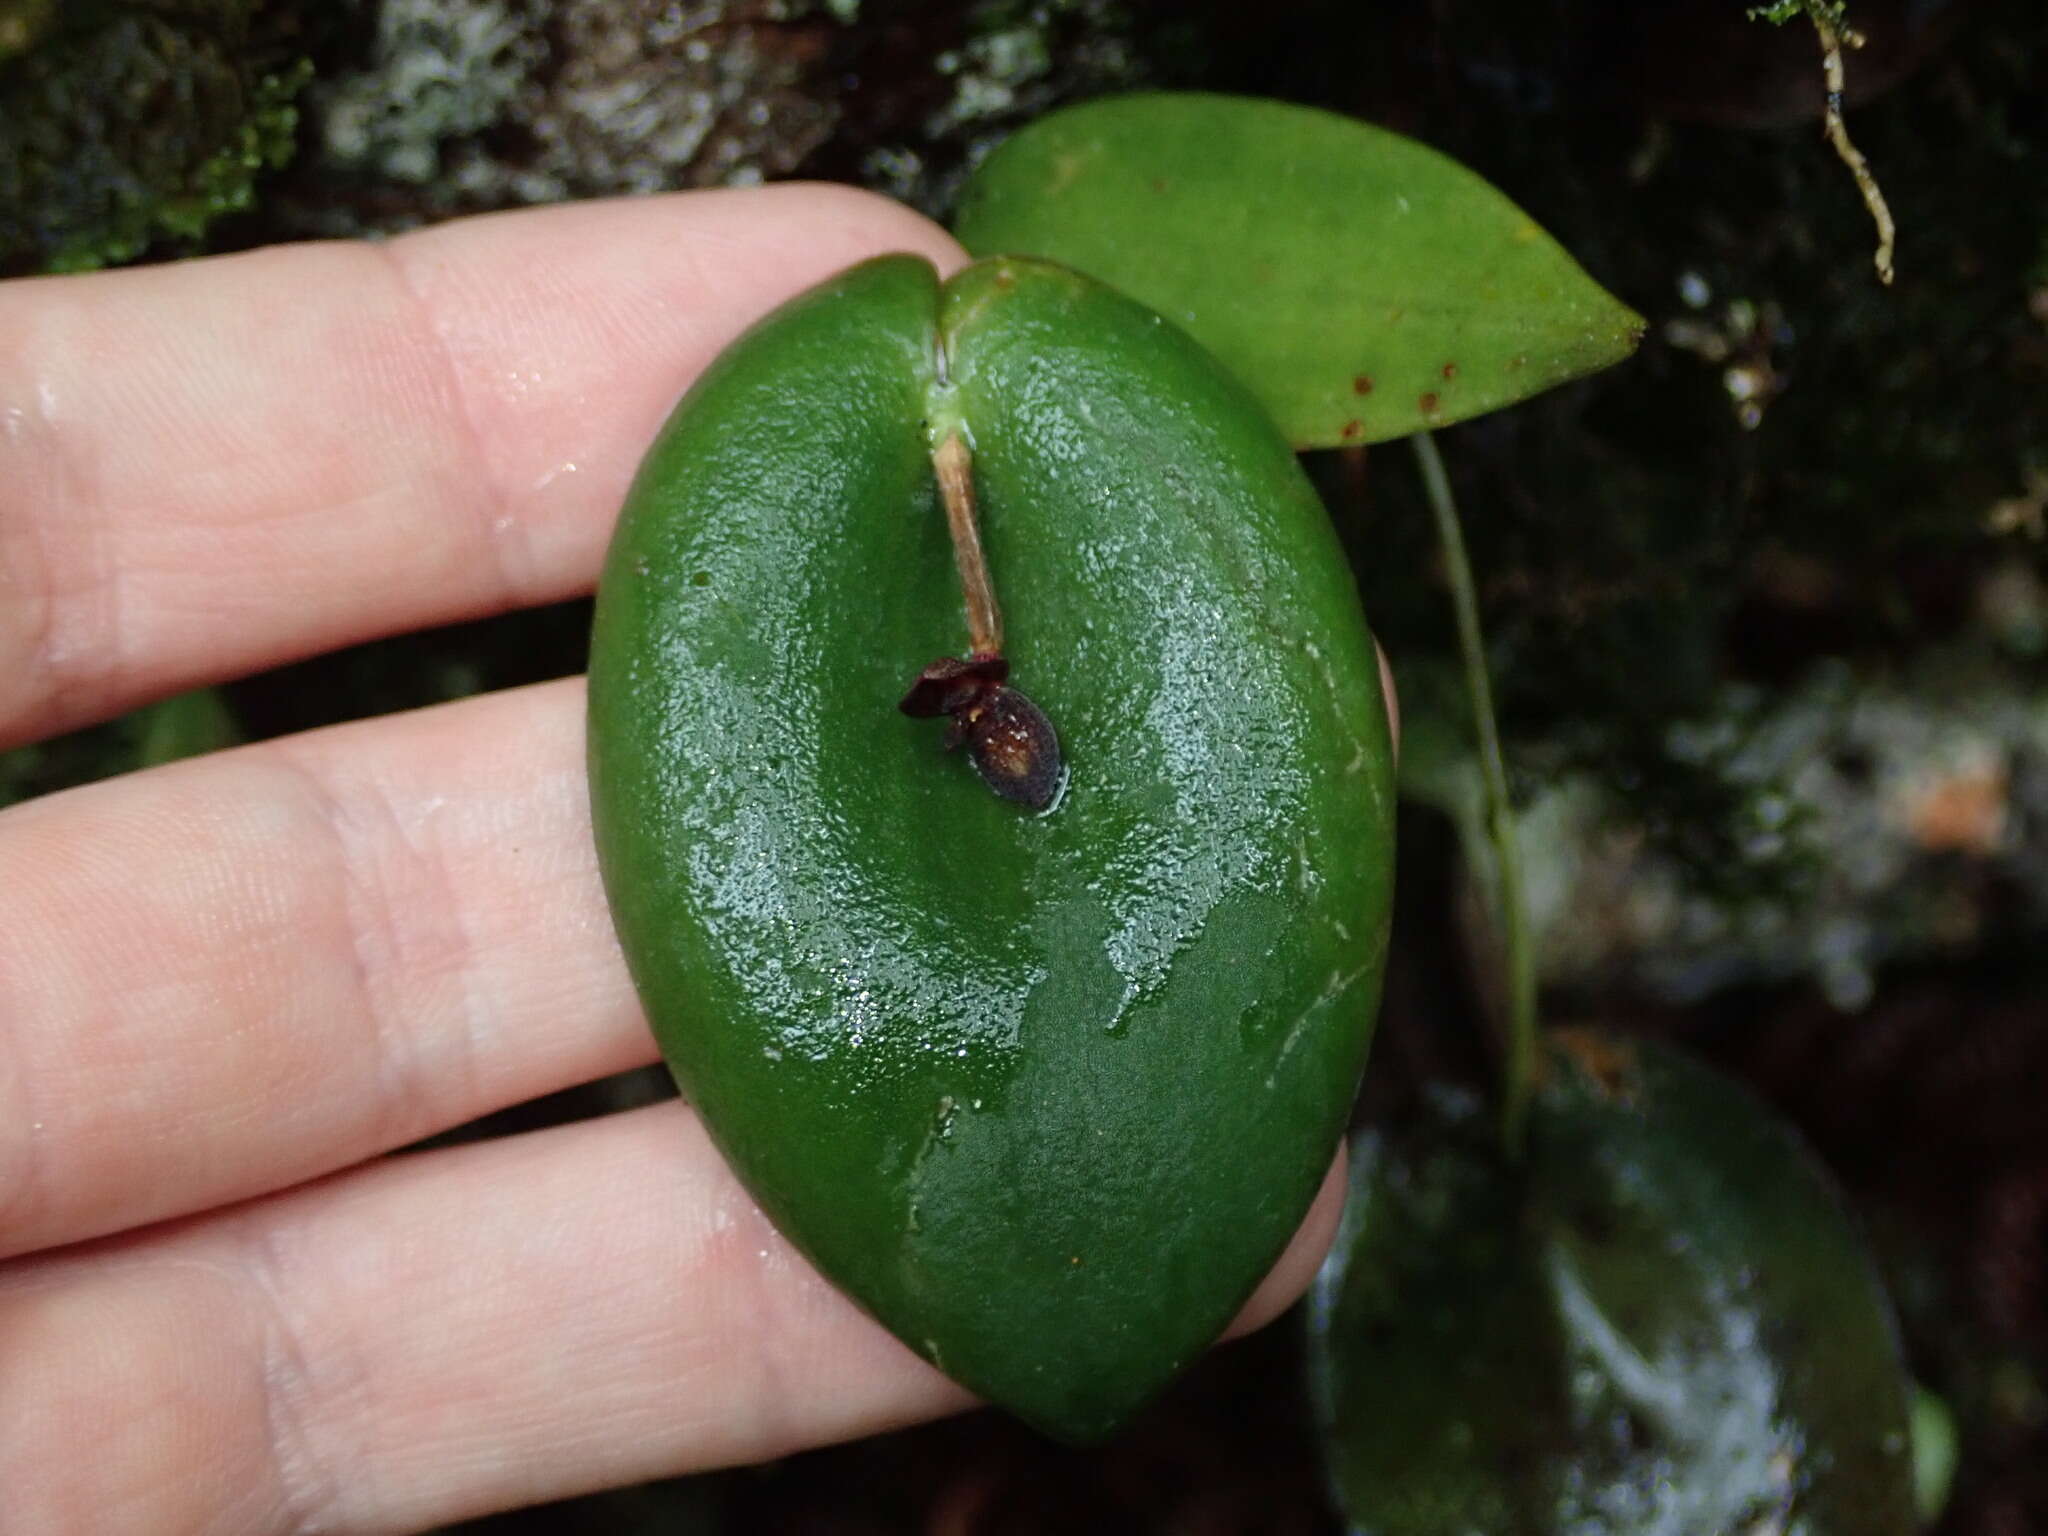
<point x="1364" y="285"/>
<point x="1660" y="1323"/>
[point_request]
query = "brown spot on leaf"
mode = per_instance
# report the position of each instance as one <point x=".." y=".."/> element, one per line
<point x="1352" y="429"/>
<point x="1450" y="370"/>
<point x="1361" y="384"/>
<point x="1428" y="402"/>
<point x="1158" y="183"/>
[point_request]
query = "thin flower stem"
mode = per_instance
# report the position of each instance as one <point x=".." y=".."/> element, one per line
<point x="1519" y="1068"/>
<point x="955" y="470"/>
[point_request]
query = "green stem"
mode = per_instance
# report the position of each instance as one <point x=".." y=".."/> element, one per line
<point x="1519" y="1071"/>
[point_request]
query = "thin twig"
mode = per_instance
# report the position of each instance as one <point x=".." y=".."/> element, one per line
<point x="1831" y="44"/>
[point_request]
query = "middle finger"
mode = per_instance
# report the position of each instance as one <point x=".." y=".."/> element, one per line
<point x="266" y="964"/>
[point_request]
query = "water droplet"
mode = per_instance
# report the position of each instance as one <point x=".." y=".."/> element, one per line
<point x="1059" y="792"/>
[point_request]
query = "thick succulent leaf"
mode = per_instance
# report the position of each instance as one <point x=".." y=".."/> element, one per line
<point x="1364" y="285"/>
<point x="1047" y="1093"/>
<point x="1659" y="1324"/>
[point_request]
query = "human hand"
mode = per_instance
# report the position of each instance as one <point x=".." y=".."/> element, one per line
<point x="230" y="986"/>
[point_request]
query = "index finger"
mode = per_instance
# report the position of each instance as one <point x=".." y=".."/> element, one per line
<point x="221" y="465"/>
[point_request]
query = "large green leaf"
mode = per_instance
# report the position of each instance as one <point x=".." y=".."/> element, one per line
<point x="1048" y="1093"/>
<point x="1364" y="286"/>
<point x="1659" y="1324"/>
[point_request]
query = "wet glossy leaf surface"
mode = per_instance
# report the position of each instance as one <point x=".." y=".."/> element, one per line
<point x="1047" y="1092"/>
<point x="1661" y="1325"/>
<point x="1364" y="285"/>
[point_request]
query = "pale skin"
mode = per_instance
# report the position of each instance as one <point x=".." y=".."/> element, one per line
<point x="231" y="987"/>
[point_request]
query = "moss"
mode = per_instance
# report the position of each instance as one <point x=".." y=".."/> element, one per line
<point x="1882" y="815"/>
<point x="1781" y="11"/>
<point x="123" y="126"/>
<point x="23" y="24"/>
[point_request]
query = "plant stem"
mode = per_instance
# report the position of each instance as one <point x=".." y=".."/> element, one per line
<point x="1519" y="1069"/>
<point x="1831" y="43"/>
<point x="955" y="470"/>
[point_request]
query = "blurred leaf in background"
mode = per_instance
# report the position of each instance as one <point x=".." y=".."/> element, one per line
<point x="1661" y="1322"/>
<point x="122" y="125"/>
<point x="184" y="725"/>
